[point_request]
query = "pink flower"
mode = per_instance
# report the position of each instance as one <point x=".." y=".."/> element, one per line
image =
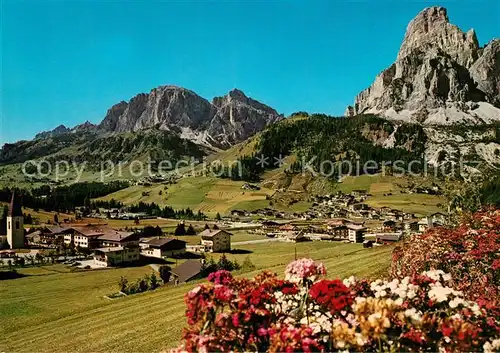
<point x="220" y="277"/>
<point x="262" y="331"/>
<point x="304" y="269"/>
<point x="236" y="320"/>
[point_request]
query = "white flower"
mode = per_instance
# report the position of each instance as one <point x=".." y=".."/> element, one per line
<point x="360" y="340"/>
<point x="373" y="318"/>
<point x="349" y="281"/>
<point x="476" y="310"/>
<point x="446" y="277"/>
<point x="439" y="294"/>
<point x="360" y="300"/>
<point x="492" y="347"/>
<point x="413" y="314"/>
<point x="455" y="302"/>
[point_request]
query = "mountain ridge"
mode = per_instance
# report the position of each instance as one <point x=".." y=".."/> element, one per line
<point x="221" y="123"/>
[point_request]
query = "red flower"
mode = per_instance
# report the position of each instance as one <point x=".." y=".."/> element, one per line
<point x="496" y="264"/>
<point x="235" y="320"/>
<point x="221" y="277"/>
<point x="446" y="330"/>
<point x="333" y="295"/>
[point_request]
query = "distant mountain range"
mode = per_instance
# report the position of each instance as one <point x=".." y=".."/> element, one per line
<point x="442" y="80"/>
<point x="221" y="123"/>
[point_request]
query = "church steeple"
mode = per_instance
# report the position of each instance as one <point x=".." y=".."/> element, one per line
<point x="15" y="209"/>
<point x="15" y="220"/>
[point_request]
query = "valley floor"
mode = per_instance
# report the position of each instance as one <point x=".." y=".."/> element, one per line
<point x="54" y="310"/>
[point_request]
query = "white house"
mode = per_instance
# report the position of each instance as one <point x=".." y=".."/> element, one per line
<point x="163" y="247"/>
<point x="216" y="240"/>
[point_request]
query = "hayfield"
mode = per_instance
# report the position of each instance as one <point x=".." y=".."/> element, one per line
<point x="57" y="311"/>
<point x="208" y="194"/>
<point x="420" y="204"/>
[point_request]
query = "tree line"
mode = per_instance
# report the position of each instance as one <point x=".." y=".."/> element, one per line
<point x="62" y="198"/>
<point x="153" y="209"/>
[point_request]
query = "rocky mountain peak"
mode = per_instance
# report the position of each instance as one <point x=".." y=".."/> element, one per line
<point x="441" y="76"/>
<point x="237" y="94"/>
<point x="227" y="120"/>
<point x="59" y="130"/>
<point x="431" y="28"/>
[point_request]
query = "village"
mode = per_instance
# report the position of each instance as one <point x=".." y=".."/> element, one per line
<point x="92" y="245"/>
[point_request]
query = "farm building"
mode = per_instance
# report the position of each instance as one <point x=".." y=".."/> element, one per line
<point x="187" y="271"/>
<point x="388" y="237"/>
<point x="411" y="226"/>
<point x="297" y="237"/>
<point x="216" y="240"/>
<point x="163" y="247"/>
<point x="389" y="225"/>
<point x="116" y="255"/>
<point x="116" y="238"/>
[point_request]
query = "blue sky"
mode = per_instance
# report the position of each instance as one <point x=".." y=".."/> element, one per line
<point x="65" y="62"/>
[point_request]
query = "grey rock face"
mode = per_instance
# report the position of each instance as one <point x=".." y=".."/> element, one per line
<point x="222" y="123"/>
<point x="238" y="117"/>
<point x="431" y="27"/>
<point x="439" y="77"/>
<point x="486" y="71"/>
<point x="60" y="130"/>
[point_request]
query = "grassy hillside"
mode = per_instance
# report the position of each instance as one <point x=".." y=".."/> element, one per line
<point x="208" y="194"/>
<point x="55" y="311"/>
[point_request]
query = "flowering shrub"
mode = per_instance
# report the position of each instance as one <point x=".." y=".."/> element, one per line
<point x="469" y="252"/>
<point x="307" y="313"/>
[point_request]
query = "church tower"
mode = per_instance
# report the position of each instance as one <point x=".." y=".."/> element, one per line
<point x="15" y="226"/>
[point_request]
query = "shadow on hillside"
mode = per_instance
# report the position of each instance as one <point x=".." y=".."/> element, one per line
<point x="239" y="251"/>
<point x="188" y="255"/>
<point x="4" y="275"/>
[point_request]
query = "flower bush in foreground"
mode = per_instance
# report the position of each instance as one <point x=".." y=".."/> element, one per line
<point x="307" y="313"/>
<point x="469" y="252"/>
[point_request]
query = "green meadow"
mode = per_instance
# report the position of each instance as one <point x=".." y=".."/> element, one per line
<point x="54" y="310"/>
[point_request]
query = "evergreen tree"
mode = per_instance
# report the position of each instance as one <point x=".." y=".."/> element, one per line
<point x="180" y="229"/>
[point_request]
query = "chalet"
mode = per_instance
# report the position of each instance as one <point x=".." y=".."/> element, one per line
<point x="356" y="233"/>
<point x="297" y="237"/>
<point x="337" y="222"/>
<point x="341" y="213"/>
<point x="116" y="255"/>
<point x="438" y="218"/>
<point x="389" y="225"/>
<point x="385" y="210"/>
<point x="163" y="247"/>
<point x="287" y="228"/>
<point x="34" y="238"/>
<point x="52" y="235"/>
<point x="216" y="240"/>
<point x="339" y="232"/>
<point x="411" y="226"/>
<point x="388" y="237"/>
<point x="359" y="207"/>
<point x="423" y="225"/>
<point x="238" y="213"/>
<point x="270" y="225"/>
<point x="84" y="236"/>
<point x="116" y="238"/>
<point x="187" y="271"/>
